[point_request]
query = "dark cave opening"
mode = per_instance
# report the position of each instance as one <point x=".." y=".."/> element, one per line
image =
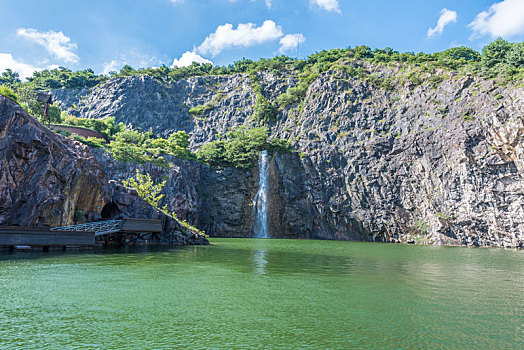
<point x="110" y="211"/>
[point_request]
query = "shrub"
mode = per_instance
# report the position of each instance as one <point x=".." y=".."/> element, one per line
<point x="90" y="141"/>
<point x="54" y="114"/>
<point x="240" y="147"/>
<point x="293" y="95"/>
<point x="106" y="126"/>
<point x="286" y="100"/>
<point x="201" y="109"/>
<point x="9" y="77"/>
<point x="8" y="92"/>
<point x="139" y="147"/>
<point x="495" y="52"/>
<point x="63" y="77"/>
<point x="146" y="188"/>
<point x="264" y="111"/>
<point x="151" y="193"/>
<point x="515" y="55"/>
<point x="421" y="227"/>
<point x="462" y="52"/>
<point x="467" y="117"/>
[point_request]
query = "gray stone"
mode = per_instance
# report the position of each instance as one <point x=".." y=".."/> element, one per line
<point x="375" y="163"/>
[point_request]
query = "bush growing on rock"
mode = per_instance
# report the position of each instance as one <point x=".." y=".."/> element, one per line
<point x="495" y="52"/>
<point x="54" y="115"/>
<point x="515" y="55"/>
<point x="8" y="92"/>
<point x="293" y="95"/>
<point x="264" y="110"/>
<point x="64" y="78"/>
<point x="150" y="191"/>
<point x="90" y="141"/>
<point x="460" y="53"/>
<point x="106" y="126"/>
<point x="240" y="147"/>
<point x="201" y="109"/>
<point x="139" y="147"/>
<point x="129" y="145"/>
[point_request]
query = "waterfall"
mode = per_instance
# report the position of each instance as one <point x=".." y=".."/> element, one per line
<point x="261" y="201"/>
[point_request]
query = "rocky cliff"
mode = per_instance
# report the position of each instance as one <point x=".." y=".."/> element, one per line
<point x="378" y="156"/>
<point x="48" y="180"/>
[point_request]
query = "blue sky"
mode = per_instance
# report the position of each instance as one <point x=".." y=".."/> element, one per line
<point x="106" y="34"/>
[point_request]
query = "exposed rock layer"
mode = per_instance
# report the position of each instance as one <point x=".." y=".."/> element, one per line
<point x="48" y="180"/>
<point x="441" y="162"/>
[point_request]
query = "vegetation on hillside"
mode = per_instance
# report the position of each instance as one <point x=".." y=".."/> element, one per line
<point x="240" y="147"/>
<point x="498" y="59"/>
<point x="8" y="92"/>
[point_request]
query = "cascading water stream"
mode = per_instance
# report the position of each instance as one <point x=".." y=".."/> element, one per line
<point x="261" y="201"/>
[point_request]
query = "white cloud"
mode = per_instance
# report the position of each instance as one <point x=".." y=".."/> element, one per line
<point x="177" y="1"/>
<point x="328" y="5"/>
<point x="290" y="42"/>
<point x="446" y="17"/>
<point x="112" y="66"/>
<point x="25" y="70"/>
<point x="134" y="57"/>
<point x="505" y="19"/>
<point x="246" y="34"/>
<point x="55" y="43"/>
<point x="188" y="58"/>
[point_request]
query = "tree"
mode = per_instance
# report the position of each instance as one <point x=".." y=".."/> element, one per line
<point x="240" y="147"/>
<point x="146" y="188"/>
<point x="178" y="142"/>
<point x="28" y="96"/>
<point x="495" y="52"/>
<point x="9" y="77"/>
<point x="362" y="52"/>
<point x="127" y="70"/>
<point x="515" y="55"/>
<point x="464" y="52"/>
<point x="264" y="110"/>
<point x="150" y="192"/>
<point x="54" y="114"/>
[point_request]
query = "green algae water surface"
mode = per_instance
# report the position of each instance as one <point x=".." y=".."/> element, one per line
<point x="252" y="293"/>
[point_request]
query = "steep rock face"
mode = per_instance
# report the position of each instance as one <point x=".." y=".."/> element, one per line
<point x="141" y="101"/>
<point x="44" y="177"/>
<point x="217" y="201"/>
<point x="439" y="162"/>
<point x="48" y="180"/>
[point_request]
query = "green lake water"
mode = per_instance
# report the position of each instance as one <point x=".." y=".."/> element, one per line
<point x="251" y="293"/>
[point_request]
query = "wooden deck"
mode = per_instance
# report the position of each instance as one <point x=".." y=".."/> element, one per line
<point x="141" y="225"/>
<point x="81" y="235"/>
<point x="15" y="235"/>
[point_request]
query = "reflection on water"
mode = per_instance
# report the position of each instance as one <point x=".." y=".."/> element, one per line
<point x="259" y="293"/>
<point x="259" y="258"/>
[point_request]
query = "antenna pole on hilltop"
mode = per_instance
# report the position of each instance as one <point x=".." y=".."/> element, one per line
<point x="298" y="43"/>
